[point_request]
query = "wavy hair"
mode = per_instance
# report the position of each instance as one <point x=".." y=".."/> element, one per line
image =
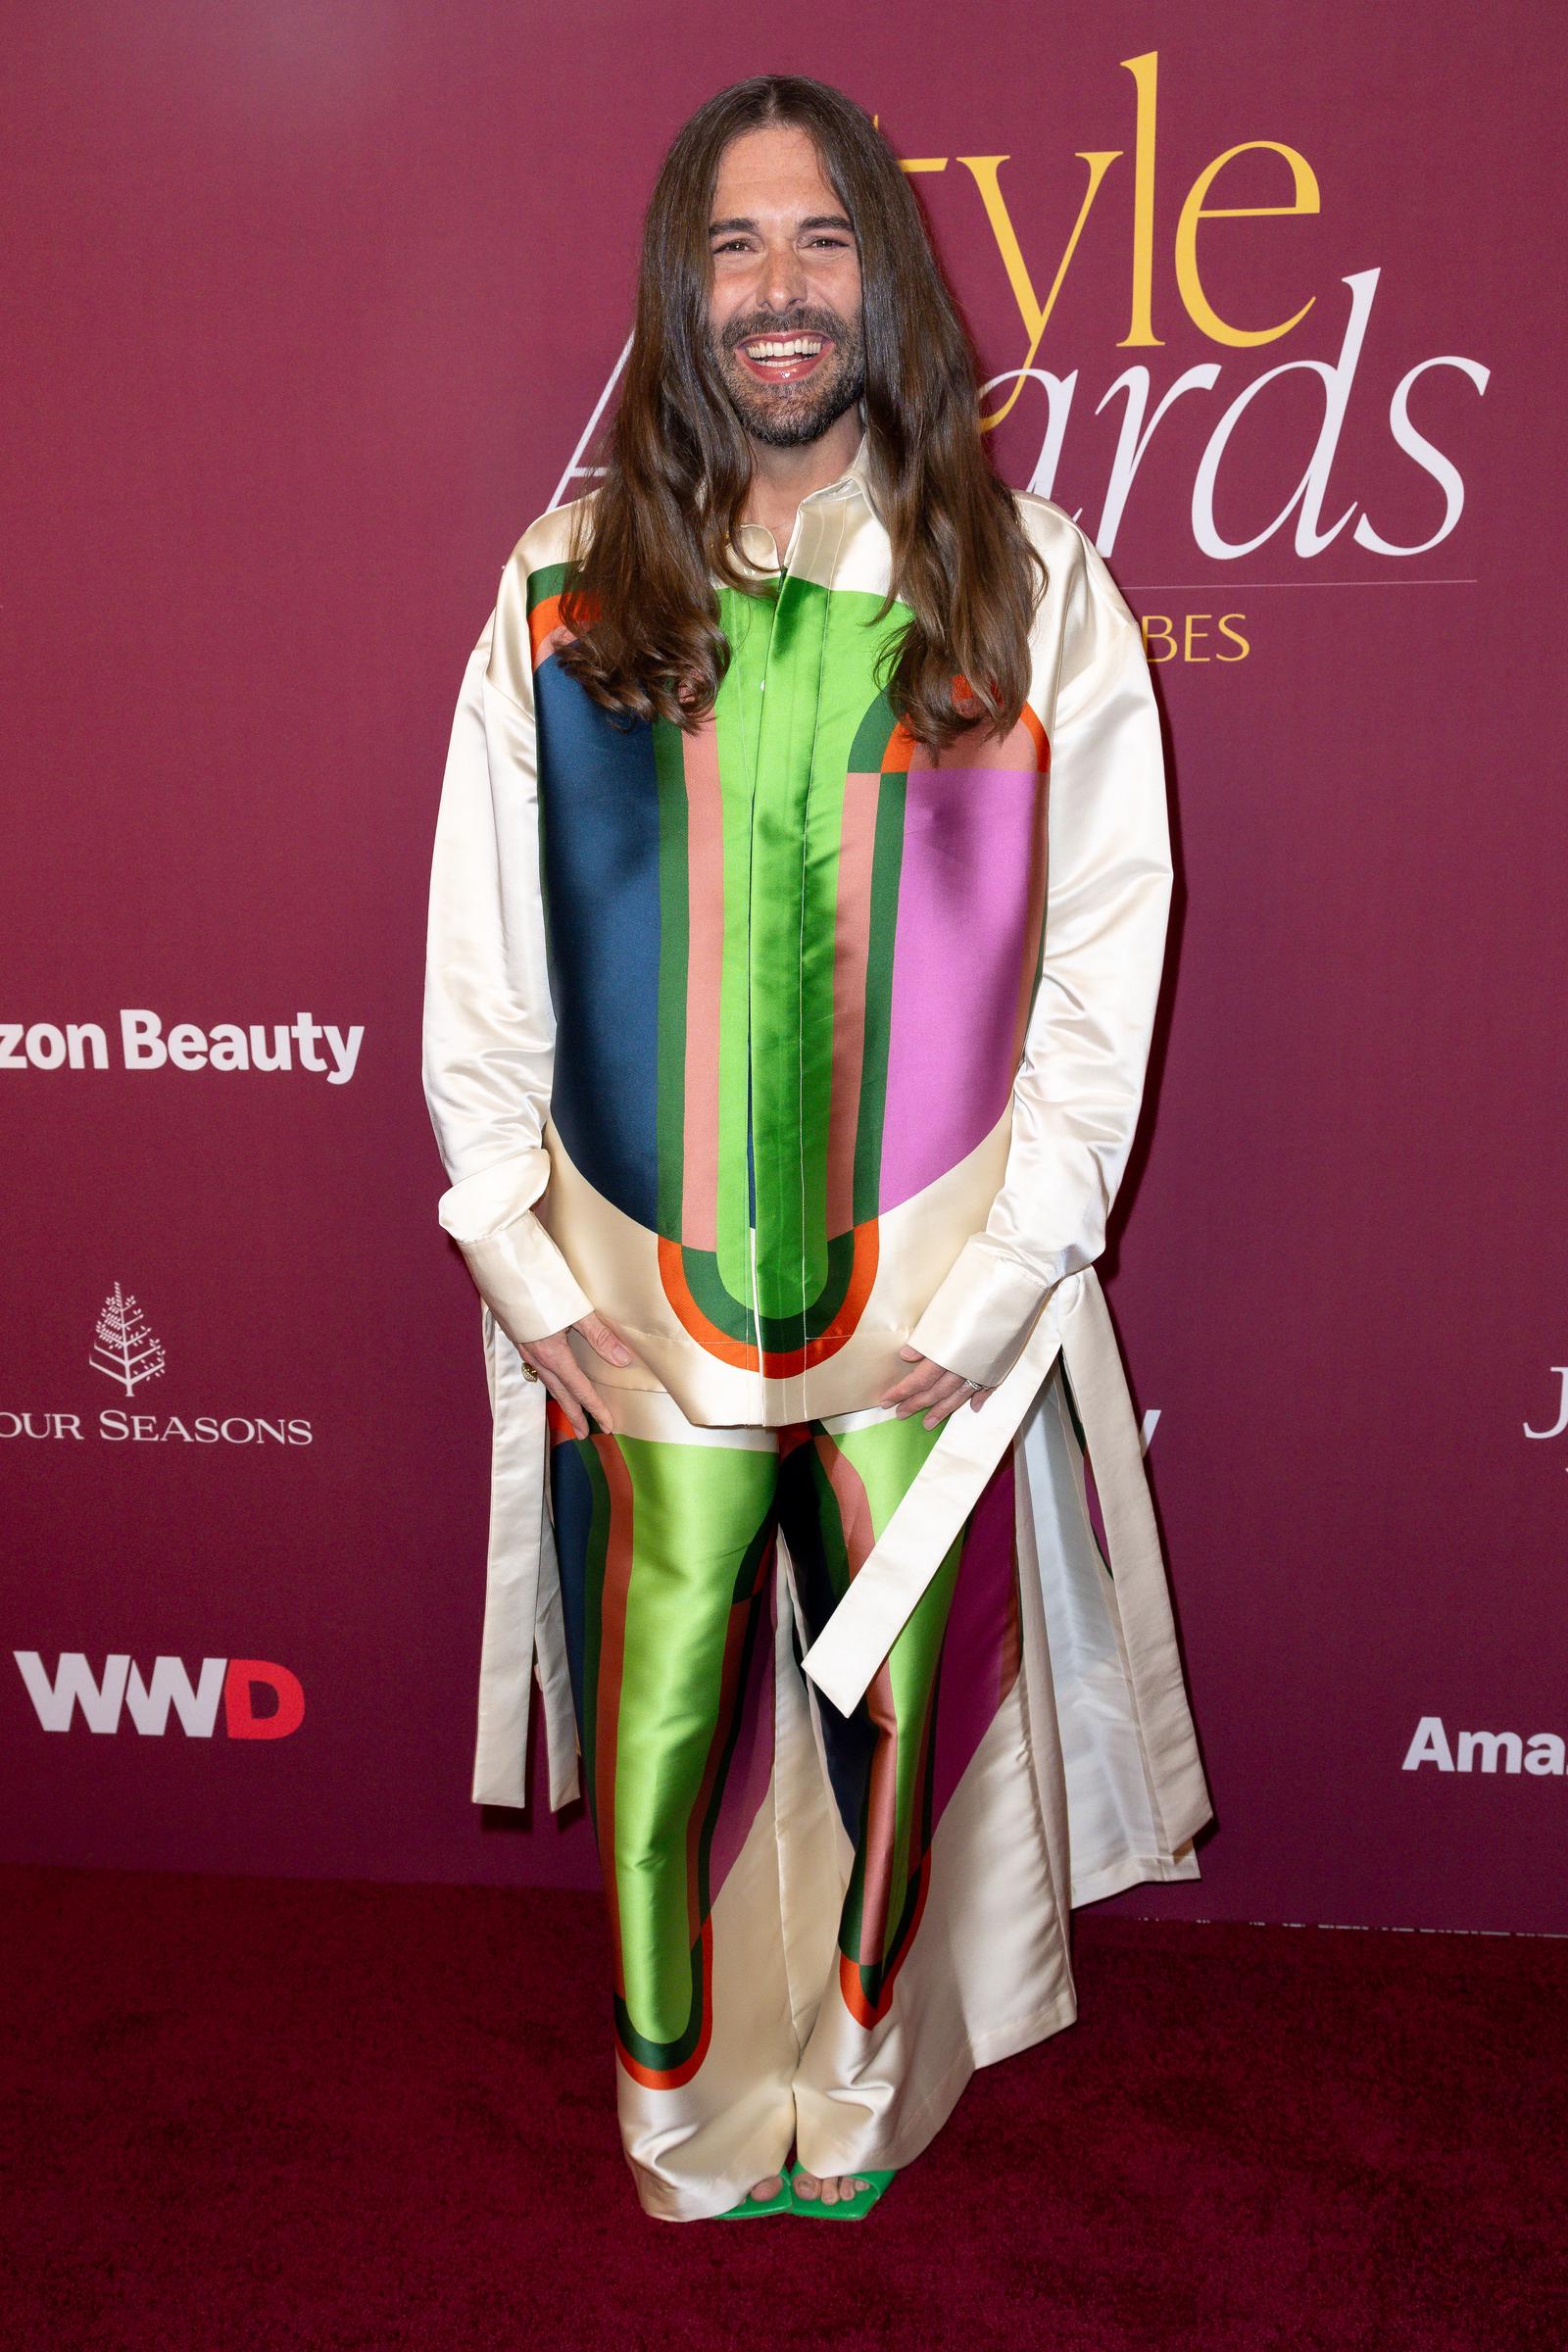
<point x="656" y="531"/>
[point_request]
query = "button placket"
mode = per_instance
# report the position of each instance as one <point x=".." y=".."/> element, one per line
<point x="753" y="1183"/>
<point x="780" y="739"/>
<point x="780" y="789"/>
<point x="781" y="796"/>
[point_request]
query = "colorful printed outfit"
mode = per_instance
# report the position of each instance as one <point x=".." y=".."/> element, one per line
<point x="780" y="1044"/>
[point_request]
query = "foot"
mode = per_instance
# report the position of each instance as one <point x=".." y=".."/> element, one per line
<point x="831" y="2187"/>
<point x="765" y="2191"/>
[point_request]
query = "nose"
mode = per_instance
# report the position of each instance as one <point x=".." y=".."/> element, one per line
<point x="782" y="280"/>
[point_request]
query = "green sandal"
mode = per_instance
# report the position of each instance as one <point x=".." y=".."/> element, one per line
<point x="783" y="2202"/>
<point x="843" y="2208"/>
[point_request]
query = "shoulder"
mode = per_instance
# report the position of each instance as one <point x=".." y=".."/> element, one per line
<point x="1082" y="597"/>
<point x="1064" y="544"/>
<point x="1067" y="553"/>
<point x="548" y="540"/>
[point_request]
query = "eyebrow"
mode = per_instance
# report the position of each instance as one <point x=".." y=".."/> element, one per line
<point x="719" y="229"/>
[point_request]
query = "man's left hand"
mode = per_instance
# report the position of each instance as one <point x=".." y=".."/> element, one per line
<point x="930" y="1389"/>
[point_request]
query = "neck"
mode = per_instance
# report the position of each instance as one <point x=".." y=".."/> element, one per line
<point x="782" y="477"/>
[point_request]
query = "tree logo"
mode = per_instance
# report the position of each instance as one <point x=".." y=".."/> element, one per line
<point x="125" y="1349"/>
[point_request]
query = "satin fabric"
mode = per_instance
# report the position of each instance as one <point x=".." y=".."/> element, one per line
<point x="617" y="1183"/>
<point x="820" y="1923"/>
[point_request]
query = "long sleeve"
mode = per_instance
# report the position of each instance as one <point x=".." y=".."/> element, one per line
<point x="1080" y="1081"/>
<point x="489" y="1024"/>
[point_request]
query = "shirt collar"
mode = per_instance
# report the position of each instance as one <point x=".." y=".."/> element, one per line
<point x="854" y="480"/>
<point x="858" y="470"/>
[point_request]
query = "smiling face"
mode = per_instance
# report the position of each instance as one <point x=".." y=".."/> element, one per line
<point x="784" y="290"/>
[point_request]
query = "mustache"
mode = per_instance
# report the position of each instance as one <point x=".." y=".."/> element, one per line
<point x="827" y="324"/>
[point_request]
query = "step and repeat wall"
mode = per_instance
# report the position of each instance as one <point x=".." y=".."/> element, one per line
<point x="311" y="311"/>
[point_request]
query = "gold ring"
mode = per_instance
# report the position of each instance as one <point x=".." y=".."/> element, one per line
<point x="528" y="1371"/>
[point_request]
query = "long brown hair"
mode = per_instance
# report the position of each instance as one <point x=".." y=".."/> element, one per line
<point x="651" y="538"/>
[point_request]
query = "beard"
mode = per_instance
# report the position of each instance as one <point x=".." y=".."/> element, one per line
<point x="785" y="416"/>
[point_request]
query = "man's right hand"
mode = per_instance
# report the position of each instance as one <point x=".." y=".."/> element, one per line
<point x="568" y="1384"/>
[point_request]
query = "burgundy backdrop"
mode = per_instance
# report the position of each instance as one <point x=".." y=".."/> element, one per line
<point x="309" y="309"/>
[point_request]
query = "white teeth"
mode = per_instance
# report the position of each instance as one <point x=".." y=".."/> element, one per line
<point x="797" y="347"/>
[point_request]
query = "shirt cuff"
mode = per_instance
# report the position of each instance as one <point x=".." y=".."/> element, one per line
<point x="518" y="1267"/>
<point x="982" y="1314"/>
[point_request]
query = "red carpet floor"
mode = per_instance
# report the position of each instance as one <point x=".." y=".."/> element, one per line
<point x="248" y="2113"/>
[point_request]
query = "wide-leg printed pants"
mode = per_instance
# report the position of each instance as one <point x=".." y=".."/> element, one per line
<point x="822" y="1925"/>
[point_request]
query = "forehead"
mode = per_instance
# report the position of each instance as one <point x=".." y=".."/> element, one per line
<point x="775" y="174"/>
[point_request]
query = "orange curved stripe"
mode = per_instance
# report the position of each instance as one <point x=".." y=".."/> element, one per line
<point x="775" y="1363"/>
<point x="545" y="622"/>
<point x="869" y="2013"/>
<point x="671" y="2078"/>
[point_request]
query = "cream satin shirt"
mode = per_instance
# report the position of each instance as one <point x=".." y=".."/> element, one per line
<point x="787" y="1043"/>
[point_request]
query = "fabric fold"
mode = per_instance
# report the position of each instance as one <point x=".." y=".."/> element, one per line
<point x="775" y="1144"/>
<point x="863" y="1629"/>
<point x="1074" y="1322"/>
<point x="522" y="1596"/>
<point x="523" y="1639"/>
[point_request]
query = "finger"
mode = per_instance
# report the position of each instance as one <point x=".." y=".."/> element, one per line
<point x="923" y="1370"/>
<point x="543" y="1356"/>
<point x="979" y="1398"/>
<point x="567" y="1402"/>
<point x="605" y="1342"/>
<point x="929" y="1389"/>
<point x="556" y="1358"/>
<point x="586" y="1395"/>
<point x="947" y="1402"/>
<point x="915" y="1384"/>
<point x="920" y="1398"/>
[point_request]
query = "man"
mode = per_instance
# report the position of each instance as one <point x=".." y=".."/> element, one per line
<point x="797" y="913"/>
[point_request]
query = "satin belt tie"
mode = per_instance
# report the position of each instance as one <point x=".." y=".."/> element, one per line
<point x="1074" y="1322"/>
